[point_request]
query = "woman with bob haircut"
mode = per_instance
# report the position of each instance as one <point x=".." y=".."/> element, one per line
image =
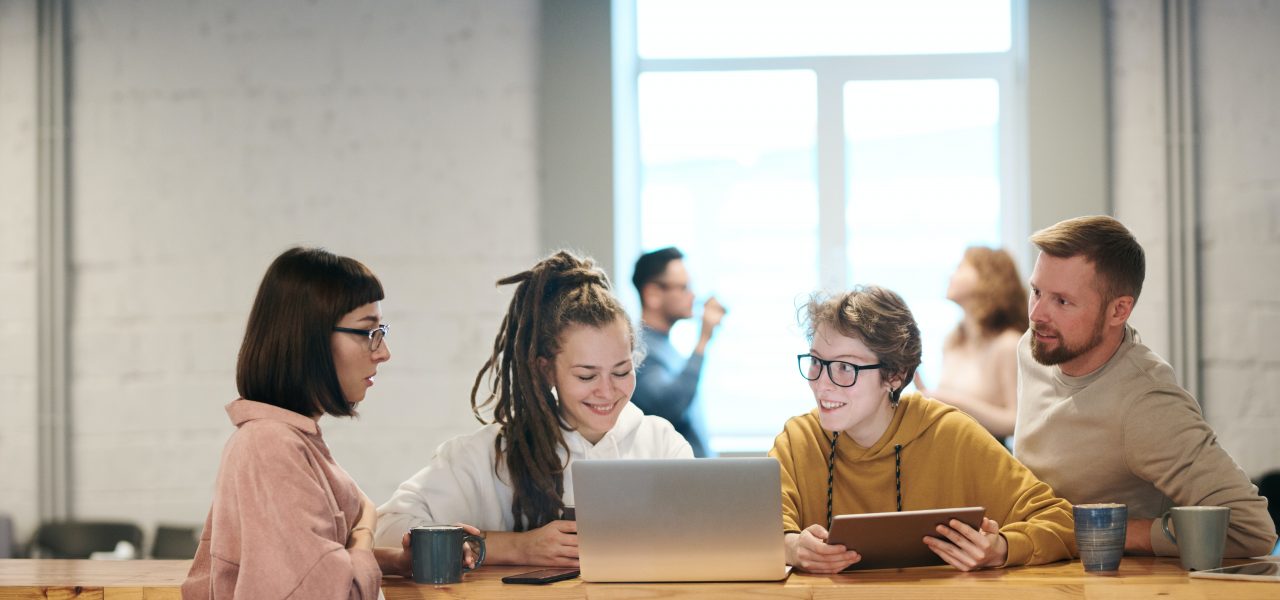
<point x="560" y="382"/>
<point x="868" y="448"/>
<point x="980" y="357"/>
<point x="287" y="521"/>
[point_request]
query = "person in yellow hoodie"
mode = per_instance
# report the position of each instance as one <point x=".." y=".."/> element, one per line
<point x="868" y="448"/>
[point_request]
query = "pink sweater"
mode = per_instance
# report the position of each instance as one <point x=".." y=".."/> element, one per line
<point x="282" y="511"/>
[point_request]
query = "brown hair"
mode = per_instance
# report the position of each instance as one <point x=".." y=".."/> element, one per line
<point x="1000" y="302"/>
<point x="560" y="291"/>
<point x="877" y="316"/>
<point x="1107" y="244"/>
<point x="286" y="358"/>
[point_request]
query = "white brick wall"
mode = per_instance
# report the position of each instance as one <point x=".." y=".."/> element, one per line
<point x="1138" y="156"/>
<point x="1239" y="113"/>
<point x="1239" y="89"/>
<point x="18" y="462"/>
<point x="209" y="137"/>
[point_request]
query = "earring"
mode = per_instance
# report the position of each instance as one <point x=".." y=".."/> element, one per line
<point x="555" y="395"/>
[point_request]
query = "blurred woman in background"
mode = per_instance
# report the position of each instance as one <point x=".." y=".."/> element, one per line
<point x="980" y="357"/>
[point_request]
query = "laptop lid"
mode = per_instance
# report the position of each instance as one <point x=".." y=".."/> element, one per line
<point x="703" y="519"/>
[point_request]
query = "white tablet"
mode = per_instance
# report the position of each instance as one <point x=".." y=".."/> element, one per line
<point x="1267" y="570"/>
<point x="896" y="540"/>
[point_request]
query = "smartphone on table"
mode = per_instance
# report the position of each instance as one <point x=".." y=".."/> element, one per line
<point x="542" y="576"/>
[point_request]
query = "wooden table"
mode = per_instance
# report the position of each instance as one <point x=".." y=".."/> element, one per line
<point x="93" y="579"/>
<point x="1138" y="577"/>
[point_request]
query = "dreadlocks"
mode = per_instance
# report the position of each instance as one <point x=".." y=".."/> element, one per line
<point x="561" y="290"/>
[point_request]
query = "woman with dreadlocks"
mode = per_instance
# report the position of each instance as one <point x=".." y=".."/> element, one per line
<point x="869" y="448"/>
<point x="559" y="383"/>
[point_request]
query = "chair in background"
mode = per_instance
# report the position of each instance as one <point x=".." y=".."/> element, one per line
<point x="175" y="542"/>
<point x="79" y="539"/>
<point x="7" y="548"/>
<point x="1269" y="488"/>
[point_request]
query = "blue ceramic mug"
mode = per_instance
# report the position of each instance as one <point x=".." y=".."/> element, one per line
<point x="1100" y="530"/>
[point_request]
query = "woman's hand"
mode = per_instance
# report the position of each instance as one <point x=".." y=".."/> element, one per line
<point x="969" y="549"/>
<point x="809" y="551"/>
<point x="552" y="545"/>
<point x="469" y="552"/>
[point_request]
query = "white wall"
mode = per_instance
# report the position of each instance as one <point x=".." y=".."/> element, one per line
<point x="1239" y="98"/>
<point x="1139" y="187"/>
<point x="210" y="136"/>
<point x="576" y="139"/>
<point x="18" y="463"/>
<point x="1238" y="112"/>
<point x="1066" y="124"/>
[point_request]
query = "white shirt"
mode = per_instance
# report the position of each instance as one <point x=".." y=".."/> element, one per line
<point x="460" y="484"/>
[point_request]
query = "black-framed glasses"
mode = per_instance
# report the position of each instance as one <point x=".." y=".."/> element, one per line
<point x="843" y="374"/>
<point x="375" y="335"/>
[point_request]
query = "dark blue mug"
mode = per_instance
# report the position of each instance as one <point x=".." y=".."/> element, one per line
<point x="439" y="551"/>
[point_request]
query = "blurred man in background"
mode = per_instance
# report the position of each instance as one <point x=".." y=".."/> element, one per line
<point x="667" y="382"/>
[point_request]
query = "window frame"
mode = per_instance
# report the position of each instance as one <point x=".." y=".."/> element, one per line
<point x="832" y="72"/>
<point x="1007" y="68"/>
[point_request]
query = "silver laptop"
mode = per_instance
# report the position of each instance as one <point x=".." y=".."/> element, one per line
<point x="702" y="519"/>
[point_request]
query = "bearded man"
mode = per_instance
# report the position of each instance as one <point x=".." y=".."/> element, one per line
<point x="1101" y="418"/>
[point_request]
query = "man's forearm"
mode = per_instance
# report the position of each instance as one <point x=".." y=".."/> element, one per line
<point x="1137" y="538"/>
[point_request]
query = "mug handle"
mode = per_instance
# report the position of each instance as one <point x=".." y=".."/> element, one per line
<point x="479" y="554"/>
<point x="1164" y="524"/>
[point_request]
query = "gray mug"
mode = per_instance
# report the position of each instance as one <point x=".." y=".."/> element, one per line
<point x="438" y="552"/>
<point x="1201" y="534"/>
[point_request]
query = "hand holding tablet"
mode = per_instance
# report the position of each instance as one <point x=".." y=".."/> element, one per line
<point x="969" y="549"/>
<point x="811" y="551"/>
<point x="897" y="539"/>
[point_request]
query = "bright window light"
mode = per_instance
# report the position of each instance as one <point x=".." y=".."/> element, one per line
<point x="739" y="154"/>
<point x="757" y="28"/>
<point x="728" y="177"/>
<point x="923" y="184"/>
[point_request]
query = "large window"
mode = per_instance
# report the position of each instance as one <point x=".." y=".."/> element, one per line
<point x="789" y="147"/>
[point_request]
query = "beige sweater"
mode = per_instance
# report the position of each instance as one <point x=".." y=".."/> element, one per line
<point x="1128" y="433"/>
<point x="282" y="511"/>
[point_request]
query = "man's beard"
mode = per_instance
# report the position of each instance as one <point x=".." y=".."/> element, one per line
<point x="1065" y="352"/>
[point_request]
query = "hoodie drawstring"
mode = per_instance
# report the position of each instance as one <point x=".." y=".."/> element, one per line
<point x="831" y="475"/>
<point x="897" y="473"/>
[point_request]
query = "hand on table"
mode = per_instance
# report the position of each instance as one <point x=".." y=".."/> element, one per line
<point x="554" y="545"/>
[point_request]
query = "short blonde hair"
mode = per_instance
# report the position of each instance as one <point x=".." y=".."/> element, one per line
<point x="1107" y="244"/>
<point x="879" y="318"/>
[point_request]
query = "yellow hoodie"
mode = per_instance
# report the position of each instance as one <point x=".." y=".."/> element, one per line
<point x="948" y="460"/>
